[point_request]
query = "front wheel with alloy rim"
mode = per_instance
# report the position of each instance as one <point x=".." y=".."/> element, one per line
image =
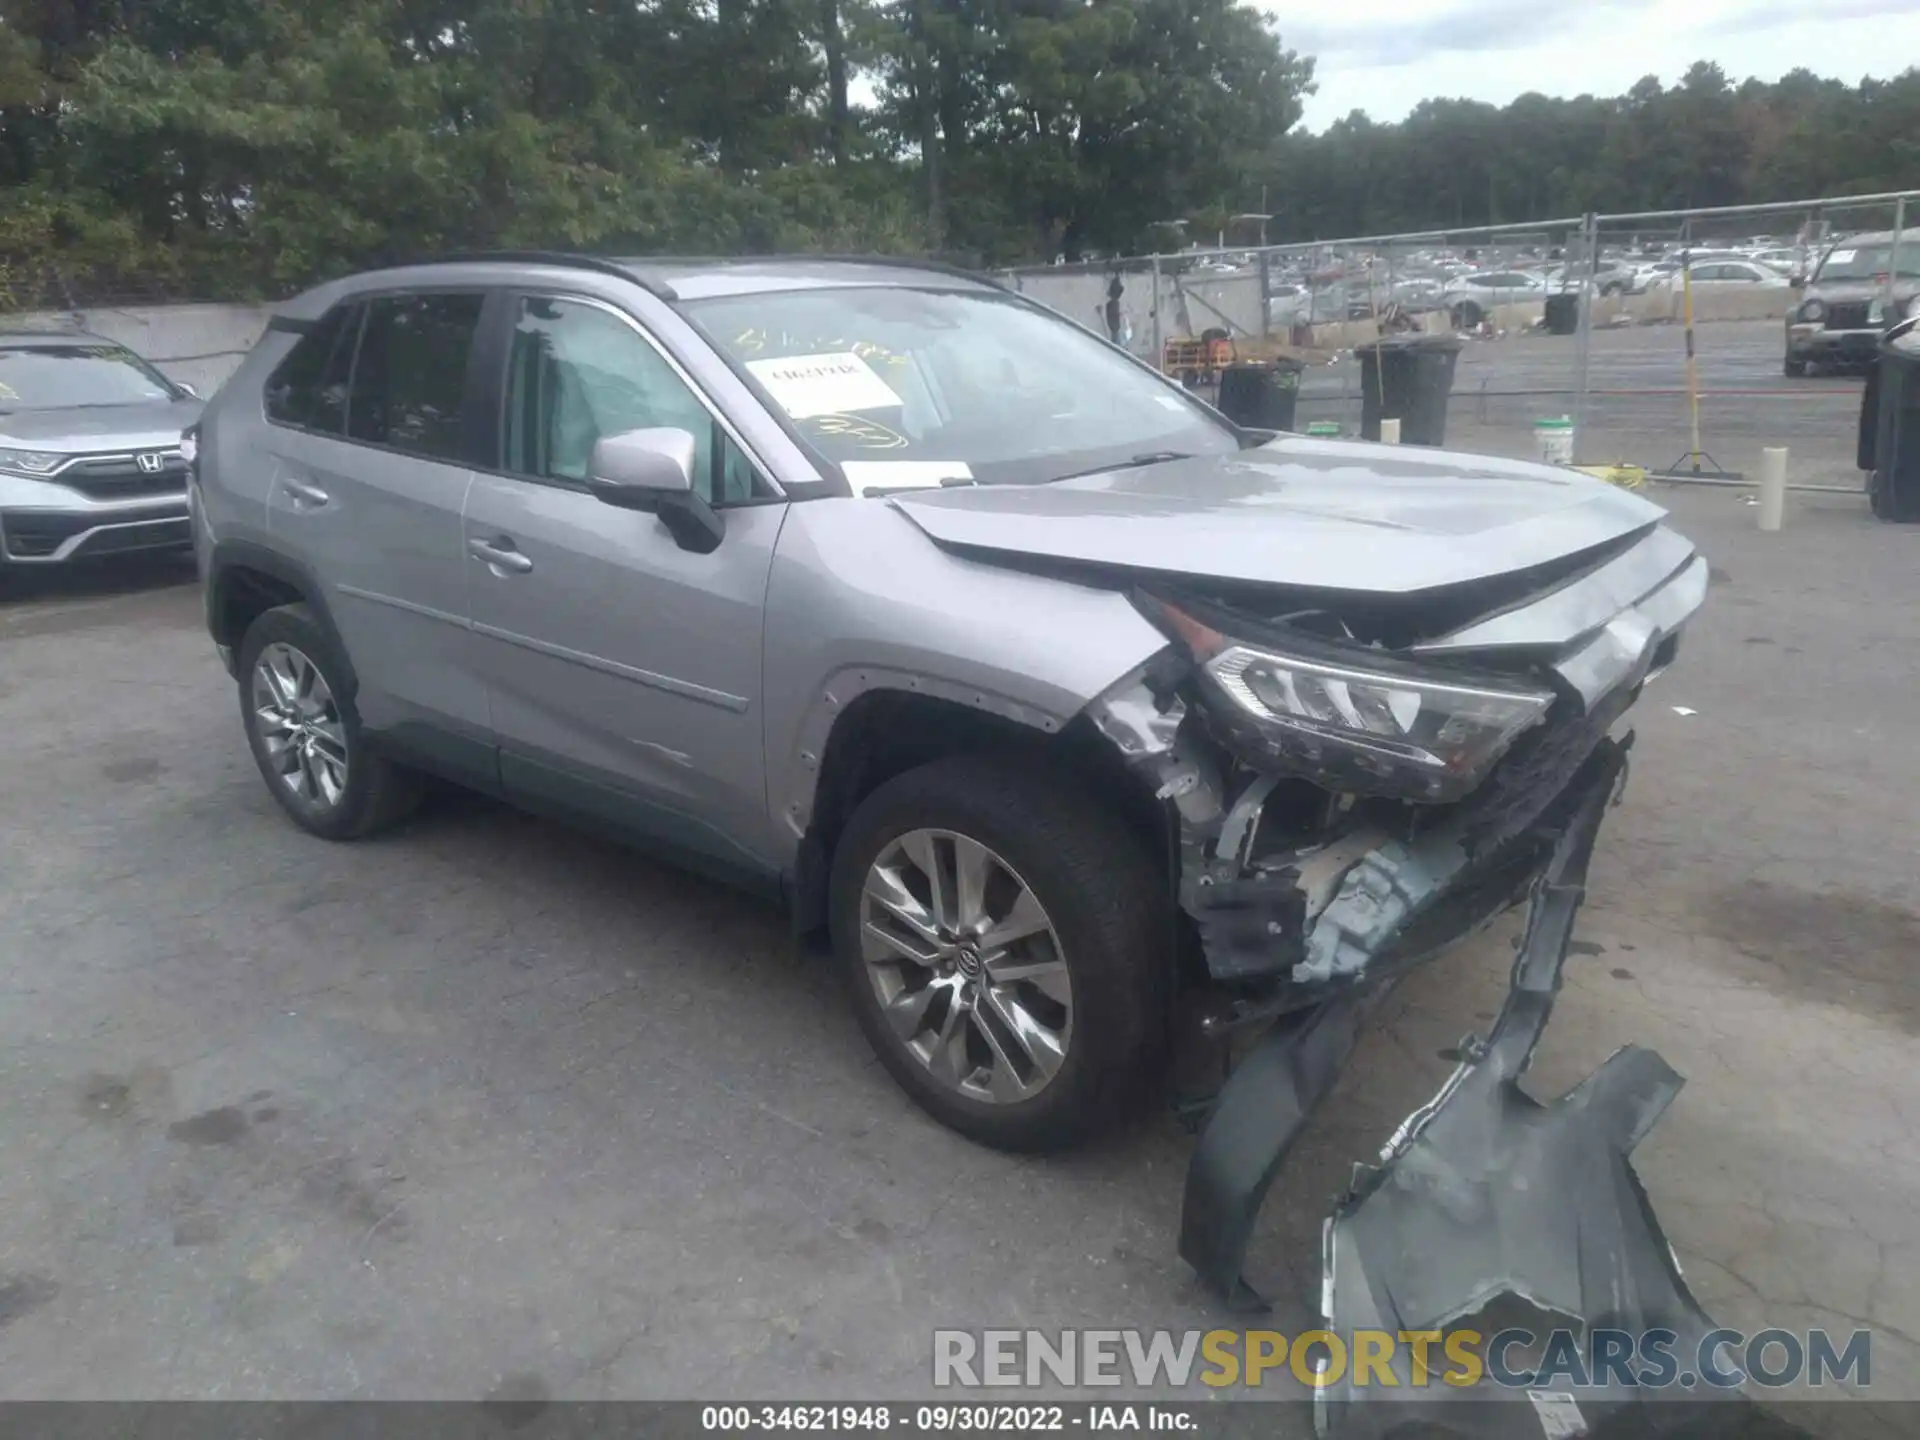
<point x="305" y="734"/>
<point x="1003" y="938"/>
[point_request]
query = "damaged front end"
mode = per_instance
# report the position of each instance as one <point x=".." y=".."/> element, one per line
<point x="1351" y="802"/>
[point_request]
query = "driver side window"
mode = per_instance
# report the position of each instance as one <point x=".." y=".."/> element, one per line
<point x="576" y="373"/>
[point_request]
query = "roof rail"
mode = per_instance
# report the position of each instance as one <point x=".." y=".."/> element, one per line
<point x="915" y="262"/>
<point x="903" y="262"/>
<point x="565" y="258"/>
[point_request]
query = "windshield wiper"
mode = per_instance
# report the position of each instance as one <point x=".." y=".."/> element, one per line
<point x="1134" y="462"/>
<point x="951" y="482"/>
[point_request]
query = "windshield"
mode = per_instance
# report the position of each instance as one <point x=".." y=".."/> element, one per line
<point x="907" y="387"/>
<point x="1868" y="262"/>
<point x="58" y="377"/>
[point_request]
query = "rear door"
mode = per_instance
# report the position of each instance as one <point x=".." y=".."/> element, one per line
<point x="623" y="672"/>
<point x="372" y="473"/>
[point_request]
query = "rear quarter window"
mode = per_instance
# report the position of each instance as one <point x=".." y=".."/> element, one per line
<point x="308" y="389"/>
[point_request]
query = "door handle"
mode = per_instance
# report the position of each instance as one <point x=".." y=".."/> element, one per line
<point x="500" y="554"/>
<point x="306" y="494"/>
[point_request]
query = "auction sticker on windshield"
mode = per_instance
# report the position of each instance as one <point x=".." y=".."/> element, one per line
<point x="809" y="385"/>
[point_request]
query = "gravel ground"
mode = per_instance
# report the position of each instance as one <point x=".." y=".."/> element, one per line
<point x="487" y="1108"/>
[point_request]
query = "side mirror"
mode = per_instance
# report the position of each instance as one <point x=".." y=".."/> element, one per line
<point x="186" y="390"/>
<point x="651" y="471"/>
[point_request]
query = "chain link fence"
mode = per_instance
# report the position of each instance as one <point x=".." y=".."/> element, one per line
<point x="1681" y="341"/>
<point x="1703" y="336"/>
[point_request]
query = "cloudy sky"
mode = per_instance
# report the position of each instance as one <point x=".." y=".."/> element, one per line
<point x="1385" y="56"/>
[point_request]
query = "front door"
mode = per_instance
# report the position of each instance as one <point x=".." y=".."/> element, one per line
<point x="623" y="672"/>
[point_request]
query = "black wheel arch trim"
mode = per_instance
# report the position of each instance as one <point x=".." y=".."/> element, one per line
<point x="232" y="556"/>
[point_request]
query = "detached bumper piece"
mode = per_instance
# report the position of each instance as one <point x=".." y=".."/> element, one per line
<point x="1259" y="1113"/>
<point x="1377" y="932"/>
<point x="1487" y="1196"/>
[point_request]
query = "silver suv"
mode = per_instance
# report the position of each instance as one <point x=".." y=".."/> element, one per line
<point x="1062" y="704"/>
<point x="90" y="458"/>
<point x="1863" y="286"/>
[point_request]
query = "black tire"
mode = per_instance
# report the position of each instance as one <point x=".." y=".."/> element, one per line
<point x="1794" y="367"/>
<point x="1467" y="314"/>
<point x="377" y="793"/>
<point x="1108" y="901"/>
<point x="1880" y="499"/>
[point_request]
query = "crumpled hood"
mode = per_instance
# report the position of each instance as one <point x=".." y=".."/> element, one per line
<point x="93" y="429"/>
<point x="1333" y="515"/>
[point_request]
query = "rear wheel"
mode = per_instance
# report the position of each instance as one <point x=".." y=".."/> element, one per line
<point x="1003" y="939"/>
<point x="306" y="736"/>
<point x="1466" y="314"/>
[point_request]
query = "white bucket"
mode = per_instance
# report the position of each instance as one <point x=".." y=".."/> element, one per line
<point x="1555" y="440"/>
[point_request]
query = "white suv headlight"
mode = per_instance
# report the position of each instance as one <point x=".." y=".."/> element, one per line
<point x="30" y="462"/>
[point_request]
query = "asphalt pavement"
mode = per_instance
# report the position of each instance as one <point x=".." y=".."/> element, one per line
<point x="1638" y="411"/>
<point x="487" y="1108"/>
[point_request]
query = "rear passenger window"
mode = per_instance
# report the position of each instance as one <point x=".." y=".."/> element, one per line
<point x="309" y="387"/>
<point x="409" y="379"/>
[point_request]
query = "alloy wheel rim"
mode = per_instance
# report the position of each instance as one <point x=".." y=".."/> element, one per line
<point x="299" y="725"/>
<point x="967" y="966"/>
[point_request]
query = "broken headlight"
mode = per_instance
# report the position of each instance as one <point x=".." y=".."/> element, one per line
<point x="1356" y="720"/>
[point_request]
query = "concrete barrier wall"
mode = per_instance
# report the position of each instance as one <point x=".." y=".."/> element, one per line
<point x="1667" y="306"/>
<point x="197" y="345"/>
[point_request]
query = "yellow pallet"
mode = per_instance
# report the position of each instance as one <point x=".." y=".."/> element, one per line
<point x="1627" y="477"/>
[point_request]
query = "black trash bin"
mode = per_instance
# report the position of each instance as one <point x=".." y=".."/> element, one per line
<point x="1408" y="378"/>
<point x="1890" y="426"/>
<point x="1563" y="313"/>
<point x="1261" y="397"/>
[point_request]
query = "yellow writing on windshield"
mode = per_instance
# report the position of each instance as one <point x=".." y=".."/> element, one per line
<point x="865" y="434"/>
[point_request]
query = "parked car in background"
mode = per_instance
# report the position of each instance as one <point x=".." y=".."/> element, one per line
<point x="1469" y="297"/>
<point x="1290" y="304"/>
<point x="1786" y="259"/>
<point x="90" y="450"/>
<point x="1709" y="275"/>
<point x="1649" y="273"/>
<point x="1611" y="278"/>
<point x="1860" y="289"/>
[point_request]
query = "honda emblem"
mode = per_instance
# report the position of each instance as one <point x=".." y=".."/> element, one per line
<point x="151" y="462"/>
